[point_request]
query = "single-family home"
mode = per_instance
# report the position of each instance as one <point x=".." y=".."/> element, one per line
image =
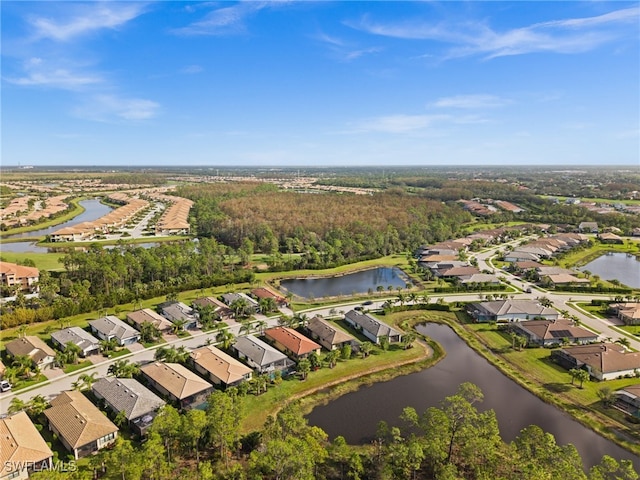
<point x="41" y="354"/>
<point x="371" y="327"/>
<point x="628" y="312"/>
<point x="111" y="326"/>
<point x="263" y="292"/>
<point x="291" y="342"/>
<point x="517" y="256"/>
<point x="628" y="400"/>
<point x="230" y="298"/>
<point x="553" y="332"/>
<point x="128" y="395"/>
<point x="328" y="334"/>
<point x="177" y="383"/>
<point x="22" y="448"/>
<point x="218" y="307"/>
<point x="565" y="279"/>
<point x="603" y="361"/>
<point x="80" y="426"/>
<point x="219" y="367"/>
<point x="609" y="237"/>
<point x="261" y="356"/>
<point x="589" y="227"/>
<point x="88" y="344"/>
<point x="510" y="311"/>
<point x="139" y="317"/>
<point x="179" y="312"/>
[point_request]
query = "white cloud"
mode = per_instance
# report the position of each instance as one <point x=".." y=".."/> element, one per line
<point x="40" y="73"/>
<point x="477" y="38"/>
<point x="342" y="50"/>
<point x="471" y="101"/>
<point x="223" y="21"/>
<point x="109" y="107"/>
<point x="192" y="69"/>
<point x="399" y="123"/>
<point x="87" y="18"/>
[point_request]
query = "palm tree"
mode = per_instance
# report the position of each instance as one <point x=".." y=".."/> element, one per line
<point x="314" y="360"/>
<point x="107" y="347"/>
<point x="72" y="351"/>
<point x="148" y="332"/>
<point x="408" y="339"/>
<point x="22" y="330"/>
<point x="304" y="367"/>
<point x="172" y="354"/>
<point x="87" y="380"/>
<point x="37" y="405"/>
<point x="225" y="338"/>
<point x="17" y="405"/>
<point x="624" y="341"/>
<point x="260" y="326"/>
<point x="366" y="348"/>
<point x="178" y="326"/>
<point x="23" y="365"/>
<point x="332" y="357"/>
<point x="583" y="376"/>
<point x="300" y="320"/>
<point x="123" y="369"/>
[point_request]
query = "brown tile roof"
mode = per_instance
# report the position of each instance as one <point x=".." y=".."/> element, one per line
<point x="19" y="271"/>
<point x="20" y="441"/>
<point x="549" y="329"/>
<point x="175" y="379"/>
<point x="31" y="346"/>
<point x="293" y="341"/>
<point x="78" y="420"/>
<point x="147" y="315"/>
<point x="605" y="357"/>
<point x="328" y="333"/>
<point x="220" y="365"/>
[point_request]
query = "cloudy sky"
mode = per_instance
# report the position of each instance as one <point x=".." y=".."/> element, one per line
<point x="320" y="83"/>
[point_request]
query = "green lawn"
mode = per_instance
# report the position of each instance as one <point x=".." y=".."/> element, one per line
<point x="77" y="366"/>
<point x="43" y="261"/>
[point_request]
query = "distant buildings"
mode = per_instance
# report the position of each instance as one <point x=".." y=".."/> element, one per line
<point x="18" y="276"/>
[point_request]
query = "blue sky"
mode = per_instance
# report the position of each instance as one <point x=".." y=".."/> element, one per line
<point x="320" y="83"/>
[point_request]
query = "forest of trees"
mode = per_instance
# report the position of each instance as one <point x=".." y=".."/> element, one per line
<point x="100" y="278"/>
<point x="328" y="229"/>
<point x="453" y="441"/>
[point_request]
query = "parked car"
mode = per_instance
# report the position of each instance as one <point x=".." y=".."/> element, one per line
<point x="5" y="386"/>
<point x="368" y="302"/>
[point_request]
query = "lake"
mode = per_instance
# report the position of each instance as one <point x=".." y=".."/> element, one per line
<point x="618" y="266"/>
<point x="93" y="210"/>
<point x="349" y="284"/>
<point x="356" y="415"/>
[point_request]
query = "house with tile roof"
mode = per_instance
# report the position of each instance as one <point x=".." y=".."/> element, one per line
<point x="138" y="317"/>
<point x="177" y="383"/>
<point x="128" y="395"/>
<point x="553" y="332"/>
<point x="219" y="367"/>
<point x="88" y="344"/>
<point x="111" y="326"/>
<point x="39" y="352"/>
<point x="628" y="312"/>
<point x="371" y="327"/>
<point x="510" y="311"/>
<point x="22" y="448"/>
<point x="291" y="342"/>
<point x="179" y="312"/>
<point x="263" y="292"/>
<point x="216" y="305"/>
<point x="328" y="334"/>
<point x="13" y="275"/>
<point x="80" y="426"/>
<point x="261" y="356"/>
<point x="603" y="361"/>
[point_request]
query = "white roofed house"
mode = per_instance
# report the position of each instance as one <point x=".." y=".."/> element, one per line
<point x="88" y="344"/>
<point x="110" y="327"/>
<point x="510" y="311"/>
<point x="127" y="395"/>
<point x="371" y="327"/>
<point x="180" y="312"/>
<point x="261" y="356"/>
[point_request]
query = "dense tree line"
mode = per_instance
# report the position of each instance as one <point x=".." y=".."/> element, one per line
<point x="327" y="229"/>
<point x="99" y="278"/>
<point x="451" y="441"/>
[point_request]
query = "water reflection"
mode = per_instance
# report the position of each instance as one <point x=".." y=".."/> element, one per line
<point x="93" y="210"/>
<point x="616" y="266"/>
<point x="356" y="415"/>
<point x="349" y="284"/>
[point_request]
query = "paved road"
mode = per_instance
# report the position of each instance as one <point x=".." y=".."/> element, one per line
<point x="560" y="302"/>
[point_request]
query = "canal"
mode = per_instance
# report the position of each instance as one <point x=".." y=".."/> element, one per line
<point x="93" y="210"/>
<point x="356" y="415"/>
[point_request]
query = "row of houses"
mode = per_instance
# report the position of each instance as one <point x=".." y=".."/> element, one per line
<point x="175" y="218"/>
<point x="20" y="211"/>
<point x="112" y="221"/>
